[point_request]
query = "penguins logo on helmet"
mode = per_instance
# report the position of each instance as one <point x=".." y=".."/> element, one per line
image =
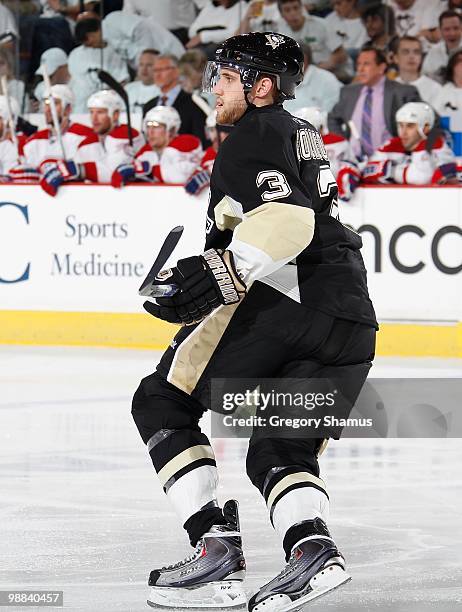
<point x="274" y="40"/>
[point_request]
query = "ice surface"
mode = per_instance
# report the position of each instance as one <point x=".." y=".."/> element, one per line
<point x="81" y="509"/>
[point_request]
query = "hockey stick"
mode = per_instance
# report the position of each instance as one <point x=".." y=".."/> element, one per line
<point x="11" y="121"/>
<point x="149" y="287"/>
<point x="109" y="80"/>
<point x="150" y="104"/>
<point x="54" y="112"/>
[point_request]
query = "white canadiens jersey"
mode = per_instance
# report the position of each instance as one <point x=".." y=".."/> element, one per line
<point x="44" y="146"/>
<point x="338" y="150"/>
<point x="177" y="161"/>
<point x="101" y="155"/>
<point x="418" y="167"/>
<point x="8" y="156"/>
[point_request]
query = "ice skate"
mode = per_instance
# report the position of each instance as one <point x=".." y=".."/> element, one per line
<point x="211" y="577"/>
<point x="315" y="567"/>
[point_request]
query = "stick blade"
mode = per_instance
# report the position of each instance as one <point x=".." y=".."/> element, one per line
<point x="109" y="80"/>
<point x="166" y="250"/>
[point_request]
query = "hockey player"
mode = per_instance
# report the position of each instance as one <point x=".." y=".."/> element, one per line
<point x="9" y="154"/>
<point x="279" y="292"/>
<point x="410" y="158"/>
<point x="341" y="157"/>
<point x="200" y="179"/>
<point x="44" y="145"/>
<point x="338" y="148"/>
<point x="101" y="151"/>
<point x="167" y="157"/>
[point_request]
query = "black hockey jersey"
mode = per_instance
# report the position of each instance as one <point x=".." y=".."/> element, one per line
<point x="270" y="165"/>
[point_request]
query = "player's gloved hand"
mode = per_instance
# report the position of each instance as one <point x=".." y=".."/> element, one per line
<point x="125" y="173"/>
<point x="204" y="282"/>
<point x="378" y="172"/>
<point x="24" y="174"/>
<point x="446" y="173"/>
<point x="198" y="182"/>
<point x="54" y="174"/>
<point x="348" y="179"/>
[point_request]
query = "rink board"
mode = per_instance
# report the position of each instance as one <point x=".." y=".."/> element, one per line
<point x="70" y="267"/>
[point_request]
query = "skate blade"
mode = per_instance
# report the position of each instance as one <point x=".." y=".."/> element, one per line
<point x="223" y="594"/>
<point x="321" y="584"/>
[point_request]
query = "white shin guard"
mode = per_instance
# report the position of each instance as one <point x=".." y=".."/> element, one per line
<point x="299" y="505"/>
<point x="193" y="491"/>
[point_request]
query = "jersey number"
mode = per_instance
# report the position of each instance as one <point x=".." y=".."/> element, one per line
<point x="326" y="186"/>
<point x="277" y="183"/>
<point x="326" y="181"/>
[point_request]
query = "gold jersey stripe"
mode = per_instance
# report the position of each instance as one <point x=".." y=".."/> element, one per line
<point x="279" y="230"/>
<point x="292" y="479"/>
<point x="194" y="353"/>
<point x="184" y="459"/>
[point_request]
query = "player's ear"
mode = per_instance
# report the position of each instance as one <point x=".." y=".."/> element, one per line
<point x="264" y="86"/>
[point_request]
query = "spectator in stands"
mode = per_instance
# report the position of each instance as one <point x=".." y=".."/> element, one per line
<point x="176" y="16"/>
<point x="410" y="158"/>
<point x="55" y="60"/>
<point x="71" y="9"/>
<point x="320" y="8"/>
<point x="306" y="28"/>
<point x="438" y="56"/>
<point x="131" y="34"/>
<point x="167" y="78"/>
<point x="318" y="88"/>
<point x="408" y="58"/>
<point x="379" y="21"/>
<point x="9" y="154"/>
<point x="52" y="28"/>
<point x="453" y="5"/>
<point x="44" y="145"/>
<point x="200" y="179"/>
<point x="7" y="26"/>
<point x="144" y="88"/>
<point x="191" y="66"/>
<point x="417" y="18"/>
<point x="261" y="16"/>
<point x="99" y="154"/>
<point x="345" y="28"/>
<point x="218" y="20"/>
<point x="15" y="86"/>
<point x="167" y="157"/>
<point x="366" y="109"/>
<point x="93" y="54"/>
<point x="57" y="8"/>
<point x="449" y="101"/>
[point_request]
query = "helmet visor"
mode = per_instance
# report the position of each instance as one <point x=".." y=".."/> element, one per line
<point x="213" y="74"/>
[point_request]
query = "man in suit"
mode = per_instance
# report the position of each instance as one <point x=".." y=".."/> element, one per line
<point x="192" y="109"/>
<point x="366" y="109"/>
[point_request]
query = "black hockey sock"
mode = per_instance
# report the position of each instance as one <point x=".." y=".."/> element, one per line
<point x="200" y="522"/>
<point x="303" y="530"/>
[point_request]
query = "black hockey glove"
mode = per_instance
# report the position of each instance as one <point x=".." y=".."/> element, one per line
<point x="204" y="282"/>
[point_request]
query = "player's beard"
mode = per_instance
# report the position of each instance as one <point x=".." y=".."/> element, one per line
<point x="231" y="111"/>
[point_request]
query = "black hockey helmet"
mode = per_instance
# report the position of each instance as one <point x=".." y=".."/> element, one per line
<point x="259" y="53"/>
